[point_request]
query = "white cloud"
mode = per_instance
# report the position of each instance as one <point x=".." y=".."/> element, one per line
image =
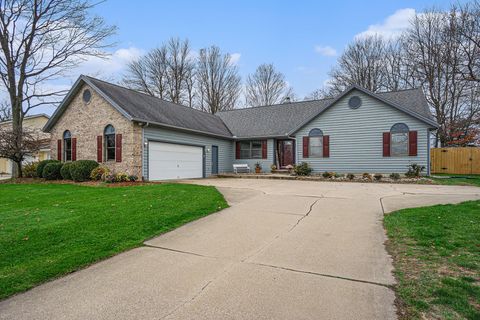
<point x="235" y="58"/>
<point x="326" y="51"/>
<point x="113" y="65"/>
<point x="392" y="26"/>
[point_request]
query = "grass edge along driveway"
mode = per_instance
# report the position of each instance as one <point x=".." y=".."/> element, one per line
<point x="436" y="255"/>
<point x="48" y="230"/>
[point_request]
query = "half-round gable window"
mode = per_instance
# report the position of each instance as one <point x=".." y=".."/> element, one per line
<point x="109" y="138"/>
<point x="315" y="133"/>
<point x="315" y="143"/>
<point x="399" y="140"/>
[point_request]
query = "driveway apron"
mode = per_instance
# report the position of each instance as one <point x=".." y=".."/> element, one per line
<point x="283" y="250"/>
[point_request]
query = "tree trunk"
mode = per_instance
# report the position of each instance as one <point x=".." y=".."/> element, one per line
<point x="17" y="172"/>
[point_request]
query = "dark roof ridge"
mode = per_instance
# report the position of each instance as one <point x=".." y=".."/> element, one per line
<point x="276" y="105"/>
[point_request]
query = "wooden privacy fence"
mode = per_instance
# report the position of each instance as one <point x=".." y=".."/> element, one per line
<point x="455" y="160"/>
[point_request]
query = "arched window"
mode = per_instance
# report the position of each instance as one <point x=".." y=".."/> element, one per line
<point x="67" y="146"/>
<point x="315" y="143"/>
<point x="109" y="138"/>
<point x="399" y="140"/>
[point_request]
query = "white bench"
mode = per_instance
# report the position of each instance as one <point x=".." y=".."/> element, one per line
<point x="241" y="168"/>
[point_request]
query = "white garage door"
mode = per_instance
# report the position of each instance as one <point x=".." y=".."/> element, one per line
<point x="174" y="161"/>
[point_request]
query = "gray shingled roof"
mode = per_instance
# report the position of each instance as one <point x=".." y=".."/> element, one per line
<point x="267" y="121"/>
<point x="142" y="107"/>
<point x="283" y="119"/>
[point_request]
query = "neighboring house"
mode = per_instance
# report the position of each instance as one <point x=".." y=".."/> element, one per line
<point x="35" y="123"/>
<point x="358" y="131"/>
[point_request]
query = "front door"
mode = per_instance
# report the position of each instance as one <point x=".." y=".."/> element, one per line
<point x="285" y="153"/>
<point x="214" y="160"/>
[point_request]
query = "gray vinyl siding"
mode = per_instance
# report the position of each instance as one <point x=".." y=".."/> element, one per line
<point x="225" y="147"/>
<point x="266" y="163"/>
<point x="356" y="143"/>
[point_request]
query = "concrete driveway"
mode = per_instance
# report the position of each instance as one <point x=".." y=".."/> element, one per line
<point x="284" y="250"/>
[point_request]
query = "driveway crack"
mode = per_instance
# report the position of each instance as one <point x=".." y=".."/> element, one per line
<point x="323" y="275"/>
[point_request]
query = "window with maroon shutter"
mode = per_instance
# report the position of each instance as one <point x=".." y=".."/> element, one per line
<point x="326" y="146"/>
<point x="386" y="144"/>
<point x="399" y="137"/>
<point x="264" y="149"/>
<point x="99" y="149"/>
<point x="118" y="148"/>
<point x="412" y="143"/>
<point x="74" y="149"/>
<point x="305" y="146"/>
<point x="59" y="150"/>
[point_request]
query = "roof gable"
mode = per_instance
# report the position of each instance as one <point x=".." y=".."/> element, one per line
<point x="136" y="106"/>
<point x="394" y="99"/>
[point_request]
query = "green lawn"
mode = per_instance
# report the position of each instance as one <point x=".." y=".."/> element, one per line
<point x="436" y="253"/>
<point x="47" y="230"/>
<point x="457" y="179"/>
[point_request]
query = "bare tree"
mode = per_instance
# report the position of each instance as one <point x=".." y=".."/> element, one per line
<point x="166" y="72"/>
<point x="5" y="111"/>
<point x="468" y="16"/>
<point x="266" y="86"/>
<point x="433" y="49"/>
<point x="362" y="63"/>
<point x="40" y="41"/>
<point x="218" y="81"/>
<point x="319" y="94"/>
<point x="10" y="148"/>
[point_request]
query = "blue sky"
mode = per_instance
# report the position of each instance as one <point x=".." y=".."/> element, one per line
<point x="301" y="38"/>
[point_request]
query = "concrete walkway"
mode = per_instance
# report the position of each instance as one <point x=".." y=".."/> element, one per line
<point x="284" y="250"/>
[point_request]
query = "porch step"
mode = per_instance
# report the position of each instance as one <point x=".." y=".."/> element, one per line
<point x="280" y="171"/>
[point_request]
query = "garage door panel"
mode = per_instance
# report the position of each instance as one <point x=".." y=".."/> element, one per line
<point x="174" y="161"/>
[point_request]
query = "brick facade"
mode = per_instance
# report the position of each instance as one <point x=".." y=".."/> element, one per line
<point x="86" y="121"/>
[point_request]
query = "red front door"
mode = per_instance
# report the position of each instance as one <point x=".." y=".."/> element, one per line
<point x="285" y="156"/>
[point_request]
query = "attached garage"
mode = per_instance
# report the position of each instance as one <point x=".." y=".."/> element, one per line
<point x="174" y="161"/>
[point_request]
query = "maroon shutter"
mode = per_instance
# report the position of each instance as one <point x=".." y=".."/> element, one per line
<point x="386" y="144"/>
<point x="264" y="149"/>
<point x="99" y="149"/>
<point x="59" y="150"/>
<point x="118" y="148"/>
<point x="412" y="143"/>
<point x="237" y="150"/>
<point x="74" y="149"/>
<point x="326" y="146"/>
<point x="305" y="146"/>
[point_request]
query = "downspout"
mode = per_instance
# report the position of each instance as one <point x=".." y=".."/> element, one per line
<point x="143" y="125"/>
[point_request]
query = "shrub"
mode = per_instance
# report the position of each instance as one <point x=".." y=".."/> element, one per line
<point x="65" y="171"/>
<point x="109" y="178"/>
<point x="367" y="176"/>
<point x="378" y="176"/>
<point x="273" y="167"/>
<point x="99" y="173"/>
<point x="395" y="176"/>
<point x="303" y="169"/>
<point x="81" y="170"/>
<point x="327" y="174"/>
<point x="350" y="176"/>
<point x="41" y="165"/>
<point x="30" y="170"/>
<point x="338" y="175"/>
<point x="414" y="170"/>
<point x="132" y="178"/>
<point x="52" y="171"/>
<point x="121" y="177"/>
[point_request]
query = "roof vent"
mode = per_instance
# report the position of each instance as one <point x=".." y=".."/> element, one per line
<point x="287" y="100"/>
